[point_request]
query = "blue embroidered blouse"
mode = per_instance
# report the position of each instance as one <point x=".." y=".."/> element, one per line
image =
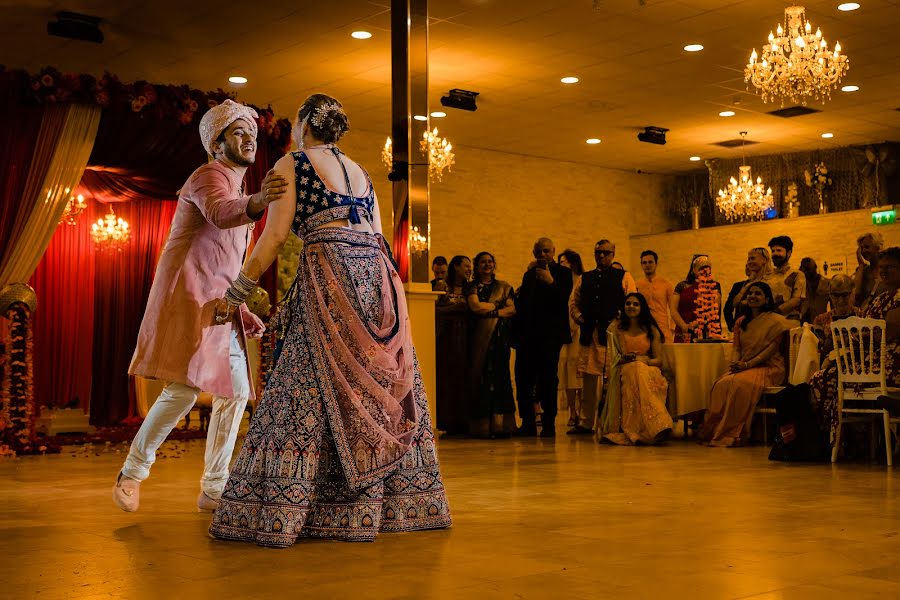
<point x="317" y="205"/>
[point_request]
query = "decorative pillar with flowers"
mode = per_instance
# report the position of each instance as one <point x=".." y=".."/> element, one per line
<point x="709" y="323"/>
<point x="791" y="202"/>
<point x="819" y="180"/>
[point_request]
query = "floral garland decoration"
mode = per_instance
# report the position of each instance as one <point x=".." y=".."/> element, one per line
<point x="709" y="324"/>
<point x="17" y="394"/>
<point x="178" y="102"/>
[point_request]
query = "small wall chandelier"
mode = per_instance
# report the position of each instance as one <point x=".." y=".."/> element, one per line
<point x="439" y="153"/>
<point x="110" y="232"/>
<point x="387" y="155"/>
<point x="74" y="207"/>
<point x="418" y="243"/>
<point x="742" y="199"/>
<point x="796" y="63"/>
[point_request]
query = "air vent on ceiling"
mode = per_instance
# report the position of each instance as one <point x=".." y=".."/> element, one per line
<point x="793" y="111"/>
<point x="734" y="143"/>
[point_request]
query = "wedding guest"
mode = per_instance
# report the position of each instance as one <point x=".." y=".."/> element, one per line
<point x="452" y="346"/>
<point x="867" y="285"/>
<point x="570" y="380"/>
<point x="492" y="410"/>
<point x="541" y="330"/>
<point x="884" y="306"/>
<point x="729" y="310"/>
<point x="635" y="408"/>
<point x="788" y="285"/>
<point x="687" y="303"/>
<point x="757" y="363"/>
<point x="439" y="270"/>
<point x="658" y="291"/>
<point x="817" y="291"/>
<point x="595" y="304"/>
<point x="758" y="268"/>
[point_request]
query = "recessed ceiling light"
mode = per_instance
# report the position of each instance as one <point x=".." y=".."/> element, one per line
<point x="593" y="140"/>
<point x="237" y="79"/>
<point x="827" y="135"/>
<point x="438" y="114"/>
<point x="848" y="6"/>
<point x="569" y="79"/>
<point x="695" y="158"/>
<point x="850" y="88"/>
<point x="693" y="48"/>
<point x="420" y="118"/>
<point x="726" y="113"/>
<point x="361" y="35"/>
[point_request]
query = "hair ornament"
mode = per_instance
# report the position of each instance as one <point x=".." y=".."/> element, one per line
<point x="320" y="113"/>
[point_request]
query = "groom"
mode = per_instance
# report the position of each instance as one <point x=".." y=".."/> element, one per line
<point x="179" y="341"/>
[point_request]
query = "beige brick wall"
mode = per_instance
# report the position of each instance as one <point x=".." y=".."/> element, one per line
<point x="823" y="237"/>
<point x="503" y="202"/>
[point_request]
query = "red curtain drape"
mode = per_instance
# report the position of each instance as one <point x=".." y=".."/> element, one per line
<point x="401" y="245"/>
<point x="122" y="282"/>
<point x="64" y="321"/>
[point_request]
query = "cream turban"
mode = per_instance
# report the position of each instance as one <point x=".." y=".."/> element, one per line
<point x="219" y="117"/>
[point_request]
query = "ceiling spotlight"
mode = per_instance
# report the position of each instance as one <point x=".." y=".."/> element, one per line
<point x="593" y="140"/>
<point x="237" y="79"/>
<point x="569" y="80"/>
<point x="438" y="114"/>
<point x="850" y="88"/>
<point x="361" y="35"/>
<point x="694" y="158"/>
<point x="420" y="118"/>
<point x="726" y="113"/>
<point x="848" y="6"/>
<point x="693" y="48"/>
<point x="828" y="135"/>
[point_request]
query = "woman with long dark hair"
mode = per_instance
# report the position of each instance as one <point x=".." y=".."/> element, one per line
<point x="571" y="383"/>
<point x="635" y="409"/>
<point x="452" y="346"/>
<point x="492" y="409"/>
<point x="757" y="364"/>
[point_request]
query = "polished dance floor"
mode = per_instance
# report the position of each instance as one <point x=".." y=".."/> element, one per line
<point x="533" y="518"/>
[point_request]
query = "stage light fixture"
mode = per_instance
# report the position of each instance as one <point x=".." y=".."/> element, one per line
<point x="461" y="99"/>
<point x="653" y="135"/>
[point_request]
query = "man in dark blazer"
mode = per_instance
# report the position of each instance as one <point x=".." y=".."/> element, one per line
<point x="541" y="329"/>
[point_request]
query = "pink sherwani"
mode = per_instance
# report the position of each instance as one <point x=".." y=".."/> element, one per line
<point x="179" y="341"/>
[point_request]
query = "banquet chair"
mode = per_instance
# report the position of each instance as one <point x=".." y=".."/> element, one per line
<point x="859" y="355"/>
<point x="763" y="406"/>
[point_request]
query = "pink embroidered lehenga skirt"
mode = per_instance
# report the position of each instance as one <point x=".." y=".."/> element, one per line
<point x="341" y="444"/>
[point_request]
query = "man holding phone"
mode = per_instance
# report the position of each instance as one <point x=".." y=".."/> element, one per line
<point x="541" y="329"/>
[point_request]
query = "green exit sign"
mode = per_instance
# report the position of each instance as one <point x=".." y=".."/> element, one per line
<point x="884" y="217"/>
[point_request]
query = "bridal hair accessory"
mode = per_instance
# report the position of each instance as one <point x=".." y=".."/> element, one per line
<point x="320" y="113"/>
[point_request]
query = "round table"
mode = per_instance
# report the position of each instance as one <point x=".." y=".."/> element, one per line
<point x="695" y="368"/>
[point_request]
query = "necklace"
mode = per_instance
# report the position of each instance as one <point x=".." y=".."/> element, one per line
<point x="320" y="147"/>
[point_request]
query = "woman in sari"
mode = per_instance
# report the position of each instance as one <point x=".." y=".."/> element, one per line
<point x="452" y="348"/>
<point x="885" y="306"/>
<point x="687" y="305"/>
<point x="635" y="408"/>
<point x="571" y="383"/>
<point x="492" y="409"/>
<point x="757" y="364"/>
<point x="341" y="444"/>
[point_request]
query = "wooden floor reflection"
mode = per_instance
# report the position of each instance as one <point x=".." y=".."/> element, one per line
<point x="532" y="519"/>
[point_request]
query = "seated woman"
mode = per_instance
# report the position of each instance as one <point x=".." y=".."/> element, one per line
<point x="758" y="364"/>
<point x="635" y="407"/>
<point x="492" y="410"/>
<point x="884" y="306"/>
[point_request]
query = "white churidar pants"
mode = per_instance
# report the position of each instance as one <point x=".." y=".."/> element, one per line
<point x="176" y="401"/>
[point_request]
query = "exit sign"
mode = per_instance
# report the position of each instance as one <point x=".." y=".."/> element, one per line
<point x="884" y="217"/>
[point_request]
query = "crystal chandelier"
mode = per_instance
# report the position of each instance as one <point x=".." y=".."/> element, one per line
<point x="387" y="155"/>
<point x="110" y="233"/>
<point x="742" y="198"/>
<point x="74" y="207"/>
<point x="796" y="63"/>
<point x="418" y="243"/>
<point x="438" y="151"/>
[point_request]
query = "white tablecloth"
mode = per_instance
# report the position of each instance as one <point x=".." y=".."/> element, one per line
<point x="695" y="368"/>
